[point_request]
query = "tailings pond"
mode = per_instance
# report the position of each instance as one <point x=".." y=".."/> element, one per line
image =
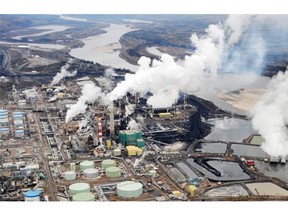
<point x="231" y="190"/>
<point x="230" y="129"/>
<point x="218" y="148"/>
<point x="218" y="169"/>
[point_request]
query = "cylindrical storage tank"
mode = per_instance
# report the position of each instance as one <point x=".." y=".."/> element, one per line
<point x="18" y="116"/>
<point x="69" y="175"/>
<point x="19" y="133"/>
<point x="79" y="188"/>
<point x="86" y="165"/>
<point x="108" y="163"/>
<point x="73" y="167"/>
<point x="4" y="131"/>
<point x="22" y="104"/>
<point x="117" y="152"/>
<point x="91" y="173"/>
<point x="153" y="173"/>
<point x="129" y="189"/>
<point x="4" y="122"/>
<point x="84" y="197"/>
<point x="3" y="115"/>
<point x="113" y="172"/>
<point x="32" y="195"/>
<point x="17" y="113"/>
<point x="18" y="123"/>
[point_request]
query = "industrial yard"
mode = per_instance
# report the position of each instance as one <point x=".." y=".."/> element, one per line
<point x="101" y="156"/>
<point x="105" y="108"/>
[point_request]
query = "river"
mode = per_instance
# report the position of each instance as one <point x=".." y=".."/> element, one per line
<point x="105" y="48"/>
<point x="48" y="29"/>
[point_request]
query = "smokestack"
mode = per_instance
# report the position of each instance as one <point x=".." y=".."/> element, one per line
<point x="112" y="126"/>
<point x="100" y="134"/>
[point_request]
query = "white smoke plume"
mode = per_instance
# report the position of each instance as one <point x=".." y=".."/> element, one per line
<point x="90" y="93"/>
<point x="270" y="116"/>
<point x="166" y="78"/>
<point x="63" y="73"/>
<point x="133" y="125"/>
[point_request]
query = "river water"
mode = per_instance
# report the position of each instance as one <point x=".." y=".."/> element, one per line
<point x="105" y="48"/>
<point x="48" y="29"/>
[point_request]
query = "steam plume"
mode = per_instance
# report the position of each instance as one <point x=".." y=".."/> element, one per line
<point x="166" y="78"/>
<point x="63" y="73"/>
<point x="270" y="116"/>
<point x="90" y="93"/>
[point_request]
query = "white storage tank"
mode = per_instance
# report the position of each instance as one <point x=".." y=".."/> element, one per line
<point x="153" y="173"/>
<point x="117" y="152"/>
<point x="90" y="173"/>
<point x="4" y="131"/>
<point x="86" y="165"/>
<point x="19" y="133"/>
<point x="32" y="195"/>
<point x="4" y="122"/>
<point x="73" y="167"/>
<point x="18" y="123"/>
<point x="129" y="189"/>
<point x="69" y="175"/>
<point x="22" y="104"/>
<point x="78" y="188"/>
<point x="84" y="197"/>
<point x="108" y="163"/>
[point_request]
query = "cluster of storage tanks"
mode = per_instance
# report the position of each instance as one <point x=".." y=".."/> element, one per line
<point x="111" y="170"/>
<point x="81" y="191"/>
<point x="4" y="122"/>
<point x="18" y="122"/>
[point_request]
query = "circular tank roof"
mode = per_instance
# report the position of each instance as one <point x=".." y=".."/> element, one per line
<point x="32" y="193"/>
<point x="84" y="197"/>
<point x="112" y="169"/>
<point x="108" y="161"/>
<point x="87" y="163"/>
<point x="129" y="186"/>
<point x="90" y="171"/>
<point x="79" y="186"/>
<point x="69" y="173"/>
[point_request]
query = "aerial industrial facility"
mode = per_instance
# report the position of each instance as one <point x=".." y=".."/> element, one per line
<point x="120" y="108"/>
<point x="101" y="156"/>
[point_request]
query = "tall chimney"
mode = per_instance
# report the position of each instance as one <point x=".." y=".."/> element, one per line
<point x="112" y="127"/>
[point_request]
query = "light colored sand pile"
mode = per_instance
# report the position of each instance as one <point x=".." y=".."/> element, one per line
<point x="243" y="99"/>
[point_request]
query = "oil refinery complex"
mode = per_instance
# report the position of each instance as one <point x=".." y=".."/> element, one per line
<point x="110" y="153"/>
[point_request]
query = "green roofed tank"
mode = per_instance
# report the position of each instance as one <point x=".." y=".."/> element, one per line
<point x="79" y="188"/>
<point x="86" y="165"/>
<point x="129" y="189"/>
<point x="113" y="172"/>
<point x="84" y="197"/>
<point x="108" y="163"/>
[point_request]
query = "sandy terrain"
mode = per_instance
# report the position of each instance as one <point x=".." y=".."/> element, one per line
<point x="243" y="99"/>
